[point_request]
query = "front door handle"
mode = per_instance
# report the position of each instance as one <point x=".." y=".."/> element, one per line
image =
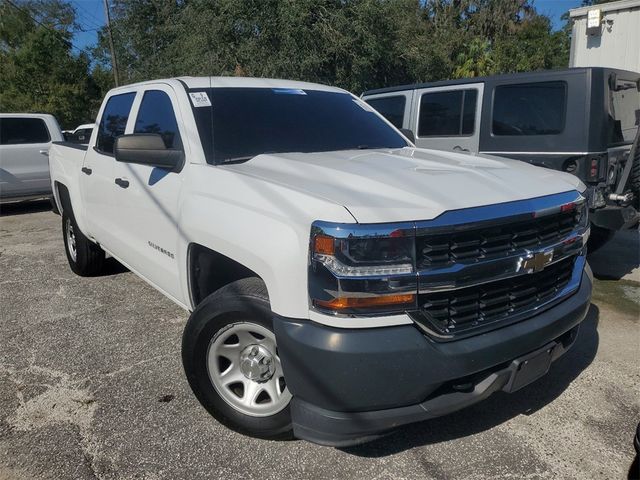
<point x="86" y="170"/>
<point x="460" y="149"/>
<point x="45" y="152"/>
<point x="121" y="182"/>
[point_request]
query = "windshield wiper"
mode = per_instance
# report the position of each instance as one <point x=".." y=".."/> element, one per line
<point x="238" y="159"/>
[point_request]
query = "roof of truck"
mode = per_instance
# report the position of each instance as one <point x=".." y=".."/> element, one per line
<point x="26" y="115"/>
<point x="492" y="78"/>
<point x="239" y="82"/>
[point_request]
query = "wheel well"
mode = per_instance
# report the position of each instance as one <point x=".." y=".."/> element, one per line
<point x="63" y="197"/>
<point x="209" y="271"/>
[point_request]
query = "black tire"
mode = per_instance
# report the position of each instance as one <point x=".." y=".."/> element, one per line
<point x="89" y="257"/>
<point x="598" y="238"/>
<point x="243" y="300"/>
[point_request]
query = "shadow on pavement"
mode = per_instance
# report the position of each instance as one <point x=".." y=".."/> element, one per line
<point x="618" y="258"/>
<point x="112" y="267"/>
<point x="21" y="208"/>
<point x="498" y="408"/>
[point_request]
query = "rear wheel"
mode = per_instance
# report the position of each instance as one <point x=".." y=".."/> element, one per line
<point x="231" y="360"/>
<point x="85" y="257"/>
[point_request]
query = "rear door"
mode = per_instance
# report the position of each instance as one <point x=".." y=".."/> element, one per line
<point x="24" y="163"/>
<point x="147" y="197"/>
<point x="448" y="118"/>
<point x="97" y="177"/>
<point x="395" y="107"/>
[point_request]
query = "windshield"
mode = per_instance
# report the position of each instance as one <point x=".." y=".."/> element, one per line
<point x="237" y="124"/>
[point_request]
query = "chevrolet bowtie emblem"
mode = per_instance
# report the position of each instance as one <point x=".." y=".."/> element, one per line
<point x="536" y="262"/>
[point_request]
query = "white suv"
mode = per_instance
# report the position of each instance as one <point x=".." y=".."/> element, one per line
<point x="25" y="139"/>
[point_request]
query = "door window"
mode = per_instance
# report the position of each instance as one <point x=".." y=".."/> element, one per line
<point x="448" y="114"/>
<point x="18" y="131"/>
<point x="529" y="109"/>
<point x="113" y="121"/>
<point x="156" y="115"/>
<point x="391" y="108"/>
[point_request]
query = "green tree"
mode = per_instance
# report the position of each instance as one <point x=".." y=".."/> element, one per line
<point x="355" y="44"/>
<point x="39" y="71"/>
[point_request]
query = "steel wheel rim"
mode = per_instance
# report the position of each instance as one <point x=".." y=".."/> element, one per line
<point x="71" y="240"/>
<point x="229" y="361"/>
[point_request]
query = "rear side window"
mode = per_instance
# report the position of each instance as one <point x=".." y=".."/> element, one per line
<point x="19" y="131"/>
<point x="113" y="121"/>
<point x="391" y="108"/>
<point x="624" y="110"/>
<point x="156" y="115"/>
<point x="448" y="114"/>
<point x="529" y="109"/>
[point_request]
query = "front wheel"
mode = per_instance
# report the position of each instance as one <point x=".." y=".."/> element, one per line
<point x="231" y="360"/>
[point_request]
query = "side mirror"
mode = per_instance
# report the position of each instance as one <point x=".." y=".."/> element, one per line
<point x="409" y="134"/>
<point x="147" y="149"/>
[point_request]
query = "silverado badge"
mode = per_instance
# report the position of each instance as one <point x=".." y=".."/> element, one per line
<point x="536" y="262"/>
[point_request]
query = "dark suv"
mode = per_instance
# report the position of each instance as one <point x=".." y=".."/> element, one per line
<point x="580" y="120"/>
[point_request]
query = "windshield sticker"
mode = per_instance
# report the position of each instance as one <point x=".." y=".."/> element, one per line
<point x="200" y="99"/>
<point x="289" y="91"/>
<point x="363" y="105"/>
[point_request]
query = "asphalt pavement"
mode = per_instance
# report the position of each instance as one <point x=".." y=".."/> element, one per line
<point x="91" y="386"/>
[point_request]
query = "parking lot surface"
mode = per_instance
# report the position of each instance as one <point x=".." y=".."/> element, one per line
<point x="91" y="386"/>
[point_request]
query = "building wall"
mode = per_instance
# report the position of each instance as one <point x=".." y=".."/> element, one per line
<point x="619" y="44"/>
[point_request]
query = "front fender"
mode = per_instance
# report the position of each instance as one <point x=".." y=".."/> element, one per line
<point x="262" y="226"/>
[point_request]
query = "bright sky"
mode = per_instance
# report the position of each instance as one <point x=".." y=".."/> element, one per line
<point x="90" y="16"/>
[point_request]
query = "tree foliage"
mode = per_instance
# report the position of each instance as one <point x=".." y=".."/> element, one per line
<point x="39" y="72"/>
<point x="355" y="44"/>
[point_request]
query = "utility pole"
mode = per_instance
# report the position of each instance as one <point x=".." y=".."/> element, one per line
<point x="114" y="63"/>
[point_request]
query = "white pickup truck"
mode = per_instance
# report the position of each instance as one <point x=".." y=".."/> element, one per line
<point x="341" y="282"/>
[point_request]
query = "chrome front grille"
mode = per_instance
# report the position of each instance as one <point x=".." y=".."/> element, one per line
<point x="485" y="243"/>
<point x="458" y="311"/>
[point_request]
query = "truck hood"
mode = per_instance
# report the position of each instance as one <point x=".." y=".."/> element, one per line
<point x="406" y="184"/>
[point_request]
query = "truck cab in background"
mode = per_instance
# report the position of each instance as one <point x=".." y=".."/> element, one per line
<point x="582" y="120"/>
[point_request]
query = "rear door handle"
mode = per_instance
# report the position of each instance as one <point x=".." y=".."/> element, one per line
<point x="86" y="170"/>
<point x="121" y="182"/>
<point x="44" y="152"/>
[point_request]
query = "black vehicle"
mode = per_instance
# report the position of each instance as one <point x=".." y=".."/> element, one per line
<point x="580" y="120"/>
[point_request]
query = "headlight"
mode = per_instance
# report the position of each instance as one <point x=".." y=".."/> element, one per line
<point x="356" y="270"/>
<point x="582" y="214"/>
<point x="360" y="257"/>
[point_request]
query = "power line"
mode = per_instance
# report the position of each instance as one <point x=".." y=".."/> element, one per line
<point x="86" y="17"/>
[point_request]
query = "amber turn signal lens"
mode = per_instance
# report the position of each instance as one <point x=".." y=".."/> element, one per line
<point x="365" y="302"/>
<point x="323" y="244"/>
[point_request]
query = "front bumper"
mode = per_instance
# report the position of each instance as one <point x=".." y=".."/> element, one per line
<point x="352" y="385"/>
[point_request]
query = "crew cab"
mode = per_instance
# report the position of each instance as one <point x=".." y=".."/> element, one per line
<point x="25" y="139"/>
<point x="579" y="120"/>
<point x="340" y="281"/>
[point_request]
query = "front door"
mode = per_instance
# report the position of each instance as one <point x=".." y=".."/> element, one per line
<point x="147" y="197"/>
<point x="448" y="118"/>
